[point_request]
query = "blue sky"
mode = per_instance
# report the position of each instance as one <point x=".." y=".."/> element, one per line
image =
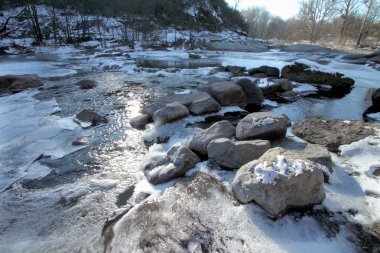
<point x="283" y="8"/>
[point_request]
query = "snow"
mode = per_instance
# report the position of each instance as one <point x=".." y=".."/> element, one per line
<point x="305" y="88"/>
<point x="270" y="103"/>
<point x="374" y="116"/>
<point x="265" y="82"/>
<point x="183" y="92"/>
<point x="282" y="168"/>
<point x="263" y="122"/>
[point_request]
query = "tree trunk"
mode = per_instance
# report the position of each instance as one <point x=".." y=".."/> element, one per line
<point x="360" y="36"/>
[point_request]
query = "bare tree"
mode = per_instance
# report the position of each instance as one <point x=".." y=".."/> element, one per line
<point x="370" y="4"/>
<point x="4" y="26"/>
<point x="347" y="7"/>
<point x="236" y="4"/>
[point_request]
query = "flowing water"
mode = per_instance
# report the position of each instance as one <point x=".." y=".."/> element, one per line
<point x="56" y="197"/>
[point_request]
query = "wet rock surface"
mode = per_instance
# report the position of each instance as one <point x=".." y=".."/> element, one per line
<point x="279" y="180"/>
<point x="268" y="71"/>
<point x="169" y="113"/>
<point x="333" y="133"/>
<point x="87" y="84"/>
<point x="87" y="115"/>
<point x="226" y="93"/>
<point x="139" y="122"/>
<point x="19" y="82"/>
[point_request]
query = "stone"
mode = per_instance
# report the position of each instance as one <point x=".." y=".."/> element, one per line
<point x="262" y="125"/>
<point x="285" y="84"/>
<point x="332" y="133"/>
<point x="252" y="91"/>
<point x="233" y="155"/>
<point x="139" y="122"/>
<point x="235" y="69"/>
<point x="200" y="140"/>
<point x="278" y="181"/>
<point x="87" y="115"/>
<point x="268" y="71"/>
<point x="170" y="113"/>
<point x="20" y="82"/>
<point x="226" y="93"/>
<point x="298" y="72"/>
<point x="194" y="56"/>
<point x="376" y="99"/>
<point x="204" y="104"/>
<point x="152" y="108"/>
<point x="87" y="84"/>
<point x="177" y="161"/>
<point x="80" y="141"/>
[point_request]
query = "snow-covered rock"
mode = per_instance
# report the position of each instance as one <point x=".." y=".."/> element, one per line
<point x="279" y="180"/>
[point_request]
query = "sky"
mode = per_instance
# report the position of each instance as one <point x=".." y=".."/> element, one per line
<point x="283" y="8"/>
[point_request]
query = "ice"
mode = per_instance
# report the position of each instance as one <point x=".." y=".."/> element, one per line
<point x="264" y="82"/>
<point x="184" y="92"/>
<point x="270" y="103"/>
<point x="223" y="75"/>
<point x="305" y="88"/>
<point x="263" y="122"/>
<point x="27" y="130"/>
<point x="269" y="173"/>
<point x="374" y="116"/>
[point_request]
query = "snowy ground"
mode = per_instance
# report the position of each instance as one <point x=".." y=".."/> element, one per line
<point x="66" y="210"/>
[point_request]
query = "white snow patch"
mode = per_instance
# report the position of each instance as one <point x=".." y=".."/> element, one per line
<point x="270" y="103"/>
<point x="263" y="122"/>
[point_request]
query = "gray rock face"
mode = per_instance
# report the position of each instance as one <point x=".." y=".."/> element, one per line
<point x="376" y="99"/>
<point x="269" y="71"/>
<point x="312" y="152"/>
<point x="233" y="155"/>
<point x="252" y="91"/>
<point x="298" y="72"/>
<point x="279" y="180"/>
<point x="227" y="93"/>
<point x="87" y="115"/>
<point x="203" y="104"/>
<point x="235" y="69"/>
<point x="139" y="122"/>
<point x="169" y="113"/>
<point x="200" y="140"/>
<point x="333" y="133"/>
<point x="262" y="125"/>
<point x="20" y="82"/>
<point x="87" y="84"/>
<point x="177" y="161"/>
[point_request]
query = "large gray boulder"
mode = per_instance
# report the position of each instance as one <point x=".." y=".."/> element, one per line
<point x="203" y="103"/>
<point x="262" y="125"/>
<point x="226" y="93"/>
<point x="302" y="73"/>
<point x="20" y="82"/>
<point x="177" y="161"/>
<point x="279" y="180"/>
<point x="200" y="140"/>
<point x="170" y="113"/>
<point x="235" y="69"/>
<point x="333" y="133"/>
<point x="252" y="92"/>
<point x="139" y="122"/>
<point x="233" y="155"/>
<point x="268" y="71"/>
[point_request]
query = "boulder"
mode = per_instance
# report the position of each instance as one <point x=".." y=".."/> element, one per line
<point x="276" y="88"/>
<point x="268" y="71"/>
<point x="302" y="73"/>
<point x="376" y="99"/>
<point x="152" y="108"/>
<point x="279" y="180"/>
<point x="177" y="161"/>
<point x="233" y="155"/>
<point x="20" y="82"/>
<point x="235" y="69"/>
<point x="200" y="140"/>
<point x="87" y="84"/>
<point x="204" y="104"/>
<point x="332" y="133"/>
<point x="139" y="122"/>
<point x="194" y="56"/>
<point x="252" y="92"/>
<point x="170" y="113"/>
<point x="87" y="115"/>
<point x="226" y="93"/>
<point x="262" y="125"/>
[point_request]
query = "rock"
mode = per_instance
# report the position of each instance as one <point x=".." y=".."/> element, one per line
<point x="200" y="140"/>
<point x="226" y="93"/>
<point x="233" y="155"/>
<point x="375" y="169"/>
<point x="312" y="152"/>
<point x="80" y="141"/>
<point x="252" y="92"/>
<point x="262" y="125"/>
<point x="332" y="133"/>
<point x="170" y="113"/>
<point x="279" y="180"/>
<point x="269" y="71"/>
<point x="152" y="108"/>
<point x="194" y="56"/>
<point x="235" y="69"/>
<point x="301" y="73"/>
<point x="204" y="104"/>
<point x="87" y="84"/>
<point x="285" y="84"/>
<point x="139" y="122"/>
<point x="177" y="161"/>
<point x="20" y="82"/>
<point x="376" y="99"/>
<point x="87" y="115"/>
